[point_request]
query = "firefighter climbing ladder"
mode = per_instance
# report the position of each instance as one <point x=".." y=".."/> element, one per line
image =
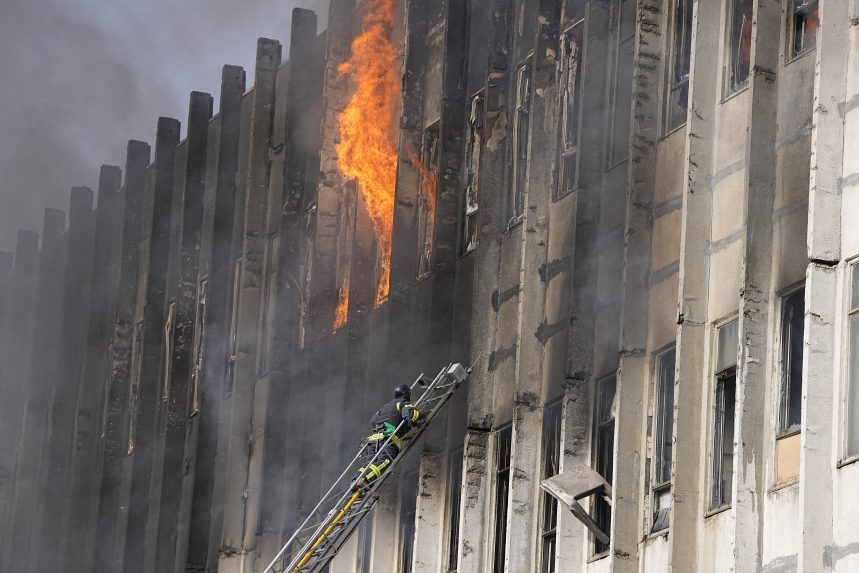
<point x="317" y="540"/>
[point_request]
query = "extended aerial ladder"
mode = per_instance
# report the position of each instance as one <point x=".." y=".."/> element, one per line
<point x="330" y="524"/>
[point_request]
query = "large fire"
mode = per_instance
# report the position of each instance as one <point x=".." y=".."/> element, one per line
<point x="367" y="124"/>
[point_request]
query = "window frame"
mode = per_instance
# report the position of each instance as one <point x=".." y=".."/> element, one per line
<point x="429" y="168"/>
<point x="671" y="63"/>
<point x="501" y="502"/>
<point x="473" y="156"/>
<point x="807" y="8"/>
<point x="200" y="332"/>
<point x="719" y="377"/>
<point x="233" y="332"/>
<point x="851" y="310"/>
<point x="549" y="508"/>
<point x="618" y="42"/>
<point x="659" y="487"/>
<point x="783" y="431"/>
<point x="408" y="528"/>
<point x="730" y="88"/>
<point x="456" y="466"/>
<point x="522" y="114"/>
<point x="569" y="151"/>
<point x="135" y="373"/>
<point x="598" y="504"/>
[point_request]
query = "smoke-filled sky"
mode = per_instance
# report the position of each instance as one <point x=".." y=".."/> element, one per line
<point x="79" y="78"/>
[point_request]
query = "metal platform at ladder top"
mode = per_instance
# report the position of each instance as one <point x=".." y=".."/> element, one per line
<point x="330" y="524"/>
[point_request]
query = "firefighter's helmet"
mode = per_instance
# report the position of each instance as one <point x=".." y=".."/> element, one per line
<point x="402" y="392"/>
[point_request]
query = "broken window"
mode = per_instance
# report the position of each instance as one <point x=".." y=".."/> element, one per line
<point x="722" y="471"/>
<point x="572" y="43"/>
<point x="805" y="24"/>
<point x="551" y="466"/>
<point x="603" y="455"/>
<point x="677" y="92"/>
<point x="409" y="502"/>
<point x="521" y="129"/>
<point x="741" y="44"/>
<point x="455" y="489"/>
<point x="199" y="338"/>
<point x="474" y="146"/>
<point x="134" y="383"/>
<point x="233" y="342"/>
<point x="427" y="198"/>
<point x="503" y="443"/>
<point x="663" y="436"/>
<point x="853" y="389"/>
<point x="623" y="36"/>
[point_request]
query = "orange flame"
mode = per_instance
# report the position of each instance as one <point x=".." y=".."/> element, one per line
<point x="365" y="152"/>
<point x="342" y="312"/>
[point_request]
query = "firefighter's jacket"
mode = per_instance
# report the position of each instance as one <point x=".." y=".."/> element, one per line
<point x="388" y="418"/>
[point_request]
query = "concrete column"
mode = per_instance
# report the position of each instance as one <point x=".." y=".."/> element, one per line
<point x="820" y="371"/>
<point x="178" y="392"/>
<point x="151" y="301"/>
<point x="632" y="380"/>
<point x="78" y="516"/>
<point x="17" y="329"/>
<point x="21" y="552"/>
<point x="245" y="448"/>
<point x="693" y="329"/>
<point x="67" y="377"/>
<point x="101" y="551"/>
<point x="204" y="538"/>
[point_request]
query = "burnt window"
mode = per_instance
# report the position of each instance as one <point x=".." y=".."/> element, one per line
<point x="677" y="92"/>
<point x="623" y="38"/>
<point x="663" y="436"/>
<point x="233" y="340"/>
<point x="199" y="341"/>
<point x="572" y="43"/>
<point x="521" y="129"/>
<point x="455" y="489"/>
<point x="603" y="454"/>
<point x="740" y="48"/>
<point x="474" y="146"/>
<point x="502" y="490"/>
<point x="722" y="467"/>
<point x="134" y="383"/>
<point x="551" y="467"/>
<point x="409" y="509"/>
<point x="805" y="23"/>
<point x="853" y="365"/>
<point x="428" y="169"/>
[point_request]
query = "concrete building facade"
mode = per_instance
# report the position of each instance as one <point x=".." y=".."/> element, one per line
<point x="633" y="218"/>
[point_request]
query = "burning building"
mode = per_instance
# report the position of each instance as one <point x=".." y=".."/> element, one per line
<point x="634" y="219"/>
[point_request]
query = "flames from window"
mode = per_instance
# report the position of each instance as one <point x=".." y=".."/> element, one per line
<point x="365" y="152"/>
<point x="342" y="312"/>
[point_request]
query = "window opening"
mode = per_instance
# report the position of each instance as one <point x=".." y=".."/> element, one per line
<point x="722" y="474"/>
<point x="427" y="198"/>
<point x="572" y="43"/>
<point x="551" y="467"/>
<point x="806" y="20"/>
<point x="455" y="488"/>
<point x="741" y="44"/>
<point x="853" y="383"/>
<point x="134" y="384"/>
<point x="409" y="508"/>
<point x="603" y="447"/>
<point x="366" y="544"/>
<point x="621" y="103"/>
<point x="504" y="438"/>
<point x="677" y="94"/>
<point x="663" y="440"/>
<point x="521" y="129"/>
<point x="199" y="341"/>
<point x="233" y="347"/>
<point x="166" y="365"/>
<point x="792" y="346"/>
<point x="474" y="147"/>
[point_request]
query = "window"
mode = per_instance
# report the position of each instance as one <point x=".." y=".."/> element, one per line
<point x="792" y="345"/>
<point x="365" y="542"/>
<point x="805" y="24"/>
<point x="722" y="471"/>
<point x="409" y="509"/>
<point x="169" y="329"/>
<point x="474" y="146"/>
<point x="504" y="438"/>
<point x="199" y="338"/>
<point x="551" y="466"/>
<point x="428" y="169"/>
<point x="677" y="91"/>
<point x="572" y="43"/>
<point x="853" y="391"/>
<point x="621" y="94"/>
<point x="234" y="328"/>
<point x="521" y="129"/>
<point x="741" y="45"/>
<point x="455" y="489"/>
<point x="134" y="383"/>
<point x="663" y="436"/>
<point x="603" y="453"/>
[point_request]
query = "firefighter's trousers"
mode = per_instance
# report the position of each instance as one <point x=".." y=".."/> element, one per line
<point x="386" y="457"/>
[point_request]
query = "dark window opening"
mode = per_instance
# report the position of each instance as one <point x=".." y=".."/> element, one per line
<point x="455" y="489"/>
<point x="677" y="94"/>
<point x="722" y="471"/>
<point x="741" y="44"/>
<point x="792" y="345"/>
<point x="521" y="130"/>
<point x="427" y="198"/>
<point x="663" y="437"/>
<point x="502" y="490"/>
<point x="603" y="447"/>
<point x="551" y="467"/>
<point x="621" y="103"/>
<point x="572" y="43"/>
<point x="805" y="23"/>
<point x="409" y="508"/>
<point x="474" y="146"/>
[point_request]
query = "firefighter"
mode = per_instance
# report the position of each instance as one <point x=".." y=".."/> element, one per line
<point x="384" y="424"/>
